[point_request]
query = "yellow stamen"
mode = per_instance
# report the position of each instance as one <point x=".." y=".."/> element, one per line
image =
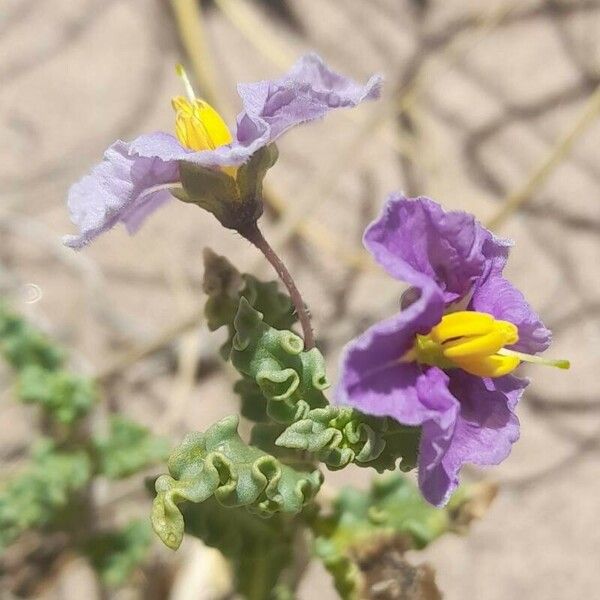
<point x="198" y="125"/>
<point x="488" y="366"/>
<point x="474" y="342"/>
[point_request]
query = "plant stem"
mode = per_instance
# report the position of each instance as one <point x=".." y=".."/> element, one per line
<point x="254" y="235"/>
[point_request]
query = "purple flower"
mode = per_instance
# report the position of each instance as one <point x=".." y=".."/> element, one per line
<point x="445" y="361"/>
<point x="137" y="177"/>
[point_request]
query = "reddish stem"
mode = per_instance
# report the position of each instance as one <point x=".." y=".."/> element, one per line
<point x="254" y="235"/>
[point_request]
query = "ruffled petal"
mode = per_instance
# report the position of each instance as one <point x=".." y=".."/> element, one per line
<point x="498" y="297"/>
<point x="307" y="92"/>
<point x="372" y="378"/>
<point x="485" y="430"/>
<point x="415" y="239"/>
<point x="122" y="188"/>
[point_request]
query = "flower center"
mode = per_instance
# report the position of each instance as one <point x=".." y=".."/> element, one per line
<point x="198" y="125"/>
<point x="475" y="342"/>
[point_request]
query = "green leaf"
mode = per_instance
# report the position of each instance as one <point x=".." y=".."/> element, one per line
<point x="225" y="286"/>
<point x="64" y="396"/>
<point x="258" y="549"/>
<point x="393" y="512"/>
<point x="128" y="448"/>
<point x="116" y="554"/>
<point x="219" y="463"/>
<point x="339" y="436"/>
<point x="38" y="496"/>
<point x="291" y="380"/>
<point x="23" y="345"/>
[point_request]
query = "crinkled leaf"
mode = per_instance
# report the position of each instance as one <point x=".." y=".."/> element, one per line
<point x="257" y="548"/>
<point x="225" y="286"/>
<point x="64" y="396"/>
<point x="219" y="463"/>
<point x="38" y="496"/>
<point x="339" y="436"/>
<point x="128" y="448"/>
<point x="392" y="512"/>
<point x="116" y="554"/>
<point x="292" y="380"/>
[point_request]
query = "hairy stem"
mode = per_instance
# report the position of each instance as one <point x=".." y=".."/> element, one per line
<point x="253" y="234"/>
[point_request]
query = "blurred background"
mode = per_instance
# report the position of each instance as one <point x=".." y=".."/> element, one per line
<point x="489" y="107"/>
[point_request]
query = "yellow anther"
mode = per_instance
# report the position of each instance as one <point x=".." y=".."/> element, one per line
<point x="462" y="323"/>
<point x="488" y="366"/>
<point x="471" y="341"/>
<point x="198" y="125"/>
<point x="474" y="342"/>
<point x="502" y="334"/>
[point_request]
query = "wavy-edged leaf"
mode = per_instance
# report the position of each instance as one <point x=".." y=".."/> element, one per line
<point x="217" y="462"/>
<point x="258" y="549"/>
<point x="339" y="436"/>
<point x="392" y="513"/>
<point x="292" y="380"/>
<point x="224" y="287"/>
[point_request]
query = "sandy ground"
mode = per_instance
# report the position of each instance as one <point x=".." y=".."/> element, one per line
<point x="487" y="89"/>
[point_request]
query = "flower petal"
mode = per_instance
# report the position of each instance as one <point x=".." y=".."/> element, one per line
<point x="121" y="188"/>
<point x="498" y="297"/>
<point x="372" y="378"/>
<point x="485" y="430"/>
<point x="416" y="238"/>
<point x="307" y="92"/>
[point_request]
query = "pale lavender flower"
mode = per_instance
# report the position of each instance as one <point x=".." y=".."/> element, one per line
<point x="137" y="177"/>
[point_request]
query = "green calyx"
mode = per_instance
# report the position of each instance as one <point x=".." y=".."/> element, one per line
<point x="235" y="201"/>
<point x="218" y="463"/>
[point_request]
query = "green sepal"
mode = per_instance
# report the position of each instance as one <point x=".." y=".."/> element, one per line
<point x="210" y="189"/>
<point x="251" y="174"/>
<point x="40" y="495"/>
<point x="64" y="396"/>
<point x="115" y="554"/>
<point x="127" y="448"/>
<point x="292" y="380"/>
<point x="235" y="201"/>
<point x="217" y="462"/>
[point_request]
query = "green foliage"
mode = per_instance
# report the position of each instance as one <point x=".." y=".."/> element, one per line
<point x="219" y="463"/>
<point x="37" y="497"/>
<point x="116" y="554"/>
<point x="52" y="491"/>
<point x="291" y="380"/>
<point x="66" y="397"/>
<point x="291" y="384"/>
<point x="224" y="287"/>
<point x="339" y="436"/>
<point x="258" y="549"/>
<point x="22" y="345"/>
<point x="127" y="449"/>
<point x="392" y="510"/>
